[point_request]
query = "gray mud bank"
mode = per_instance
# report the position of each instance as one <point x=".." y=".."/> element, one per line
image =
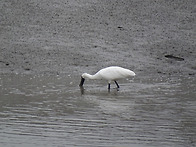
<point x="76" y="36"/>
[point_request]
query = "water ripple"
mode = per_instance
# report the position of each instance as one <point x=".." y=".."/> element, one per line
<point x="48" y="113"/>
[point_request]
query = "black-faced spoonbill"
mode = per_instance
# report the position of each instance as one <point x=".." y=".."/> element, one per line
<point x="110" y="74"/>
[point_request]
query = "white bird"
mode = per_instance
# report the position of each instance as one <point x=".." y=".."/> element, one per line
<point x="110" y="74"/>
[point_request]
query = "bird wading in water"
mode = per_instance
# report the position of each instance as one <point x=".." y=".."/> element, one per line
<point x="112" y="73"/>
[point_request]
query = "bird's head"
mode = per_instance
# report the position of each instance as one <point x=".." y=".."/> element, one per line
<point x="82" y="81"/>
<point x="83" y="76"/>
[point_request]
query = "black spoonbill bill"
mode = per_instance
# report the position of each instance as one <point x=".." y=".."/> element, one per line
<point x="110" y="74"/>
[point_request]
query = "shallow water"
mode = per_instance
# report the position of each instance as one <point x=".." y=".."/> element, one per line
<point x="53" y="111"/>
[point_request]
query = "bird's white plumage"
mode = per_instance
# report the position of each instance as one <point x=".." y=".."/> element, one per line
<point x="114" y="73"/>
<point x="111" y="73"/>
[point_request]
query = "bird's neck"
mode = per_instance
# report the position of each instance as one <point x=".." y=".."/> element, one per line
<point x="89" y="76"/>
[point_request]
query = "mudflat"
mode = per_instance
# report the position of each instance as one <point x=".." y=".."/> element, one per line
<point x="77" y="36"/>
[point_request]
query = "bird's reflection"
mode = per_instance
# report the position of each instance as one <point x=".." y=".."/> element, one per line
<point x="82" y="90"/>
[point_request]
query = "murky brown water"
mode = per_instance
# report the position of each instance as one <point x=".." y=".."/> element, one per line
<point x="51" y="111"/>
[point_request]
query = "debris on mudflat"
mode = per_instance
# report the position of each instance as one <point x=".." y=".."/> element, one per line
<point x="174" y="57"/>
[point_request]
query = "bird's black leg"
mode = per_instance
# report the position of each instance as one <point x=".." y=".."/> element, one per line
<point x="117" y="84"/>
<point x="108" y="86"/>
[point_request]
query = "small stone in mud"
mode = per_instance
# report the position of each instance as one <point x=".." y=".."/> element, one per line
<point x="27" y="69"/>
<point x="174" y="57"/>
<point x="191" y="74"/>
<point x="120" y="27"/>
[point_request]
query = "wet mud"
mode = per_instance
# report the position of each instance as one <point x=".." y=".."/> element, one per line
<point x="45" y="46"/>
<point x="65" y="36"/>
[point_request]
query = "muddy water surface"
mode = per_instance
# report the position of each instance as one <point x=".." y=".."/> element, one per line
<point x="53" y="111"/>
